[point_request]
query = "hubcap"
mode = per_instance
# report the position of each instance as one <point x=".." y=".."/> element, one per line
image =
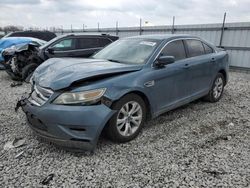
<point x="129" y="118"/>
<point x="218" y="87"/>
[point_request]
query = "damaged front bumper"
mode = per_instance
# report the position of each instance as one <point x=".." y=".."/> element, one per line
<point x="72" y="127"/>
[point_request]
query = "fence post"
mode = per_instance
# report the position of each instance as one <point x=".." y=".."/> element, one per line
<point x="116" y="28"/>
<point x="222" y="29"/>
<point x="173" y="25"/>
<point x="140" y="32"/>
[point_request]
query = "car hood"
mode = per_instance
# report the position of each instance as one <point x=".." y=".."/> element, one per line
<point x="59" y="73"/>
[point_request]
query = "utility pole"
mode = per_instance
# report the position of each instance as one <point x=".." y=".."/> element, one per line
<point x="223" y="28"/>
<point x="173" y="25"/>
<point x="83" y="27"/>
<point x="116" y="28"/>
<point x="140" y="32"/>
<point x="71" y="28"/>
<point x="98" y="27"/>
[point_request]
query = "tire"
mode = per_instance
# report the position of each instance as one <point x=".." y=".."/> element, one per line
<point x="128" y="129"/>
<point x="28" y="70"/>
<point x="13" y="75"/>
<point x="217" y="89"/>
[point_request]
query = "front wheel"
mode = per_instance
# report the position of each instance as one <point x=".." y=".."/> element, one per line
<point x="217" y="89"/>
<point x="127" y="122"/>
<point x="28" y="70"/>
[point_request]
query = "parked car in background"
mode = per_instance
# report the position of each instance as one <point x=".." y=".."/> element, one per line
<point x="13" y="43"/>
<point x="129" y="81"/>
<point x="43" y="35"/>
<point x="25" y="61"/>
<point x="18" y="56"/>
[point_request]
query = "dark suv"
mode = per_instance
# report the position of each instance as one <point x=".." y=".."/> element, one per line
<point x="75" y="45"/>
<point x="22" y="61"/>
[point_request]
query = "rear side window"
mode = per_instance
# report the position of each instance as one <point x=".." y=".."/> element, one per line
<point x="63" y="45"/>
<point x="104" y="42"/>
<point x="85" y="43"/>
<point x="176" y="49"/>
<point x="195" y="48"/>
<point x="208" y="49"/>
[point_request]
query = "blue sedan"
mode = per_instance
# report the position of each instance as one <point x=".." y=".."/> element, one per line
<point x="120" y="87"/>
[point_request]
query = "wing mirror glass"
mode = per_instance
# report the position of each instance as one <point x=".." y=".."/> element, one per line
<point x="164" y="60"/>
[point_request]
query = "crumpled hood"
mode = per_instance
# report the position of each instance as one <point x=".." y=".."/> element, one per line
<point x="19" y="48"/>
<point x="59" y="73"/>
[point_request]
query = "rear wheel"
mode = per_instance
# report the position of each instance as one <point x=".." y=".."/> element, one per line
<point x="127" y="122"/>
<point x="217" y="89"/>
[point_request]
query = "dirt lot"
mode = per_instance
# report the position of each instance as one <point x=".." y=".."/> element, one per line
<point x="198" y="145"/>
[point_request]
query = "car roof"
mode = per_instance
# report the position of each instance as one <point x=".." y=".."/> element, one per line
<point x="87" y="34"/>
<point x="43" y="35"/>
<point x="112" y="37"/>
<point x="164" y="36"/>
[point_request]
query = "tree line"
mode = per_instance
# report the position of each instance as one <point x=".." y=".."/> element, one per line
<point x="10" y="28"/>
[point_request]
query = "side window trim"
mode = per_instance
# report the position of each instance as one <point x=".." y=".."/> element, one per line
<point x="203" y="43"/>
<point x="168" y="43"/>
<point x="62" y="39"/>
<point x="186" y="46"/>
<point x="99" y="44"/>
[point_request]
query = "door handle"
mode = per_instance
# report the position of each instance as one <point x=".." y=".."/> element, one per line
<point x="186" y="66"/>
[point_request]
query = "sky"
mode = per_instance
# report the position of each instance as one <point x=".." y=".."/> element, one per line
<point x="64" y="13"/>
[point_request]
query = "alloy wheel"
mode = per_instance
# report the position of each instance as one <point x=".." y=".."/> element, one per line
<point x="129" y="118"/>
<point x="218" y="87"/>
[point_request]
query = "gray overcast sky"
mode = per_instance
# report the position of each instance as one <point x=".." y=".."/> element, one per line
<point x="47" y="13"/>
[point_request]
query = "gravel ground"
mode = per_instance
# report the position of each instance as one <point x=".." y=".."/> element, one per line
<point x="198" y="145"/>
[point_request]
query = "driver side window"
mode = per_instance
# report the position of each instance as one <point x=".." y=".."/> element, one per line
<point x="176" y="49"/>
<point x="63" y="45"/>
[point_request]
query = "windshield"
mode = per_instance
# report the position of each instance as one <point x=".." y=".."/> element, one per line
<point x="135" y="51"/>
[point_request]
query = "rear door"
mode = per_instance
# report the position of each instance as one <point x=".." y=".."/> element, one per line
<point x="86" y="46"/>
<point x="200" y="66"/>
<point x="104" y="42"/>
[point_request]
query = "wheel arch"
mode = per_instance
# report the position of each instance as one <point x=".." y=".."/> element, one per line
<point x="224" y="73"/>
<point x="144" y="98"/>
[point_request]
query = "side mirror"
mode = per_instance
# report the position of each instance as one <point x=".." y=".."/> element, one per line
<point x="50" y="50"/>
<point x="164" y="60"/>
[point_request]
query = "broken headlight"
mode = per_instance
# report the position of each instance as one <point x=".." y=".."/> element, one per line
<point x="85" y="97"/>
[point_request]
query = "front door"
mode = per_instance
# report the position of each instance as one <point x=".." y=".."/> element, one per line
<point x="63" y="48"/>
<point x="171" y="83"/>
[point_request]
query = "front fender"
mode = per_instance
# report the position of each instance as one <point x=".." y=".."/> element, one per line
<point x="119" y="92"/>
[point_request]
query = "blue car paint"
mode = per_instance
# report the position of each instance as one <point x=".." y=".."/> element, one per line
<point x="11" y="41"/>
<point x="174" y="85"/>
<point x="49" y="75"/>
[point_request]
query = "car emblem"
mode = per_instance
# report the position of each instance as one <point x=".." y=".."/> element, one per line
<point x="149" y="83"/>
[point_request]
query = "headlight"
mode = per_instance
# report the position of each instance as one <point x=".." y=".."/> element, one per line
<point x="85" y="97"/>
